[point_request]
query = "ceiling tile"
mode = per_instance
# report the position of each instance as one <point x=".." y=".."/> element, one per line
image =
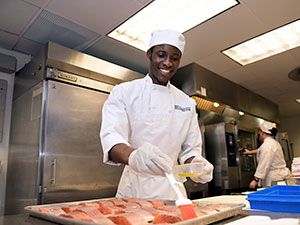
<point x="274" y="13"/>
<point x="295" y="52"/>
<point x="218" y="63"/>
<point x="50" y="27"/>
<point x="225" y="30"/>
<point x="98" y="15"/>
<point x="39" y="3"/>
<point x="289" y="86"/>
<point x="289" y="108"/>
<point x="254" y="84"/>
<point x="27" y="46"/>
<point x="239" y="75"/>
<point x="18" y="13"/>
<point x="8" y="40"/>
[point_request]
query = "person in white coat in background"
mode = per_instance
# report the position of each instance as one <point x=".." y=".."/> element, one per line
<point x="148" y="125"/>
<point x="271" y="166"/>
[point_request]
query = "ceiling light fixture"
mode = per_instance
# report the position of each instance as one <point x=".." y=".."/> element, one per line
<point x="298" y="100"/>
<point x="167" y="14"/>
<point x="241" y="113"/>
<point x="216" y="104"/>
<point x="266" y="45"/>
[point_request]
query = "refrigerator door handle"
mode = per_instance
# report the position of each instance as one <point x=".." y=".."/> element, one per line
<point x="53" y="171"/>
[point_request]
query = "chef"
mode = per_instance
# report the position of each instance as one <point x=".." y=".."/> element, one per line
<point x="271" y="166"/>
<point x="149" y="125"/>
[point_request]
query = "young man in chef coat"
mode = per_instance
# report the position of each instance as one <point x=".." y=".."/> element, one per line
<point x="147" y="124"/>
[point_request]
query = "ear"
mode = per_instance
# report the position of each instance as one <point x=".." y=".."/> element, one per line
<point x="149" y="53"/>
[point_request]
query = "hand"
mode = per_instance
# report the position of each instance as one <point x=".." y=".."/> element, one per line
<point x="207" y="173"/>
<point x="149" y="159"/>
<point x="247" y="151"/>
<point x="253" y="184"/>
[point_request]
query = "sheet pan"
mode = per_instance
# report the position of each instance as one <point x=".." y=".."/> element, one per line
<point x="234" y="210"/>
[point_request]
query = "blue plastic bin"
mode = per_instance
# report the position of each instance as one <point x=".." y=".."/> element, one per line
<point x="279" y="198"/>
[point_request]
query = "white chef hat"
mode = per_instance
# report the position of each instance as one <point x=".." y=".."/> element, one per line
<point x="170" y="37"/>
<point x="267" y="126"/>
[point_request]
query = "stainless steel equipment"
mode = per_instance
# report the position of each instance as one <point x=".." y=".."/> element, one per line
<point x="222" y="152"/>
<point x="226" y="135"/>
<point x="3" y="90"/>
<point x="287" y="149"/>
<point x="248" y="163"/>
<point x="196" y="80"/>
<point x="55" y="153"/>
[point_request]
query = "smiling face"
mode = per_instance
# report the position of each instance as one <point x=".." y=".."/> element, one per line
<point x="164" y="62"/>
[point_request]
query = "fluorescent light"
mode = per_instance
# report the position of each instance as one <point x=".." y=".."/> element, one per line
<point x="266" y="45"/>
<point x="298" y="100"/>
<point x="180" y="15"/>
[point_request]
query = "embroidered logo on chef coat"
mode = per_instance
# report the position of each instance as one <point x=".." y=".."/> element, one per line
<point x="183" y="109"/>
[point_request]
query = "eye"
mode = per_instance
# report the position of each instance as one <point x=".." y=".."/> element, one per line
<point x="175" y="58"/>
<point x="161" y="54"/>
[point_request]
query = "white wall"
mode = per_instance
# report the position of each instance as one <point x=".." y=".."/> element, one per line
<point x="292" y="126"/>
<point x="4" y="144"/>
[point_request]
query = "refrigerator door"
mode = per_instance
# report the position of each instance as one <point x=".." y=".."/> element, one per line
<point x="22" y="184"/>
<point x="72" y="155"/>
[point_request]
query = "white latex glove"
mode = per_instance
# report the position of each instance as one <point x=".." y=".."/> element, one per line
<point x="149" y="159"/>
<point x="207" y="173"/>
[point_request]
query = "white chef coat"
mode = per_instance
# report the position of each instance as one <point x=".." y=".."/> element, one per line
<point x="271" y="164"/>
<point x="140" y="111"/>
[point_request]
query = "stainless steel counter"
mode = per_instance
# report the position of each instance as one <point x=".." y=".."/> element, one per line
<point x="25" y="219"/>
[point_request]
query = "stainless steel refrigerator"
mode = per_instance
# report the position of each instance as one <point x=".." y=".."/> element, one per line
<point x="55" y="152"/>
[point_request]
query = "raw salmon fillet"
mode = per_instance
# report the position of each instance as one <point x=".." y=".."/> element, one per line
<point x="156" y="203"/>
<point x="70" y="208"/>
<point x="78" y="216"/>
<point x="106" y="210"/>
<point x="144" y="203"/>
<point x="116" y="201"/>
<point x="129" y="205"/>
<point x="207" y="210"/>
<point x="105" y="203"/>
<point x="144" y="213"/>
<point x="94" y="204"/>
<point x="154" y="211"/>
<point x="168" y="218"/>
<point x="169" y="208"/>
<point x="53" y="210"/>
<point x="102" y="221"/>
<point x="90" y="211"/>
<point x="129" y="218"/>
<point x="130" y="199"/>
<point x="198" y="212"/>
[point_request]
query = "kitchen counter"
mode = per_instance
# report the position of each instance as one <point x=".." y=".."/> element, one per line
<point x="25" y="219"/>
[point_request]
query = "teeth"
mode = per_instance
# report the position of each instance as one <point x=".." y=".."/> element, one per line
<point x="165" y="71"/>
